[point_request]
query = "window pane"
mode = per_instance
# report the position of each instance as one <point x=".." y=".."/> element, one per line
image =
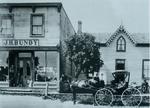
<point x="8" y="23"/>
<point x="146" y="69"/>
<point x="120" y="47"/>
<point x="46" y="70"/>
<point x="37" y="20"/>
<point x="35" y="30"/>
<point x="120" y="61"/>
<point x="4" y="23"/>
<point x="120" y="65"/>
<point x="39" y="30"/>
<point x="146" y="64"/>
<point x="52" y="66"/>
<point x="121" y="44"/>
<point x="119" y="41"/>
<point x="4" y="31"/>
<point x="40" y="66"/>
<point x="6" y="26"/>
<point x="123" y="47"/>
<point x="8" y="31"/>
<point x="3" y="66"/>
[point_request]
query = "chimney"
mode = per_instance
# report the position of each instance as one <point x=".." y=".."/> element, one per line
<point x="79" y="27"/>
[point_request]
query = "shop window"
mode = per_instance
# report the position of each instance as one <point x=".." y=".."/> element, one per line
<point x="6" y="26"/>
<point x="146" y="68"/>
<point x="52" y="66"/>
<point x="46" y="66"/>
<point x="3" y="66"/>
<point x="121" y="44"/>
<point x="40" y="65"/>
<point x="120" y="64"/>
<point x="37" y="25"/>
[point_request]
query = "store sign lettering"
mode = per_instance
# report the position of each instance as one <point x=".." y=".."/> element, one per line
<point x="20" y="42"/>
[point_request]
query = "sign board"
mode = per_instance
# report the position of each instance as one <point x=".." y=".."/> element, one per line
<point x="19" y="42"/>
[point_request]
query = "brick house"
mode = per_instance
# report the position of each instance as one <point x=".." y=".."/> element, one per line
<point x="31" y="43"/>
<point x="124" y="51"/>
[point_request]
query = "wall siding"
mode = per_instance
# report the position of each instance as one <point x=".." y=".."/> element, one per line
<point x="66" y="31"/>
<point x="22" y="24"/>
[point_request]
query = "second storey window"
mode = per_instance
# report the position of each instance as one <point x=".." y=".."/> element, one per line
<point x="6" y="25"/>
<point x="120" y="64"/>
<point x="37" y="25"/>
<point x="121" y="44"/>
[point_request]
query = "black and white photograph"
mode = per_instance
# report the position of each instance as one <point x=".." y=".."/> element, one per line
<point x="74" y="54"/>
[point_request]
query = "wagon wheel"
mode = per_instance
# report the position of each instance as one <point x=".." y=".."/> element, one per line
<point x="103" y="97"/>
<point x="131" y="97"/>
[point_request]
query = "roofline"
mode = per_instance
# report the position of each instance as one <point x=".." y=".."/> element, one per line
<point x="143" y="45"/>
<point x="58" y="5"/>
<point x="47" y="4"/>
<point x="137" y="44"/>
<point x="101" y="44"/>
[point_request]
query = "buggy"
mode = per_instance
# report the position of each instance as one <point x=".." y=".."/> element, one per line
<point x="105" y="94"/>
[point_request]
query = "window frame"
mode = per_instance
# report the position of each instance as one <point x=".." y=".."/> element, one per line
<point x="43" y="25"/>
<point x="11" y="17"/>
<point x="123" y="45"/>
<point x="124" y="60"/>
<point x="147" y="78"/>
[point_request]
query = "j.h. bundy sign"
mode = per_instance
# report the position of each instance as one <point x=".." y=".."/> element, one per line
<point x="19" y="42"/>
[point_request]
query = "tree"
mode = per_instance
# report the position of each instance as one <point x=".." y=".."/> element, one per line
<point x="83" y="51"/>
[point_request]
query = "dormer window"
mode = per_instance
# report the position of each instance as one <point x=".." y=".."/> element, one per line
<point x="121" y="44"/>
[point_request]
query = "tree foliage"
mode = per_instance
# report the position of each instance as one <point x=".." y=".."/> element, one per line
<point x="83" y="51"/>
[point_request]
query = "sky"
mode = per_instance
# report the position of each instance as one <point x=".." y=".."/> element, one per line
<point x="99" y="16"/>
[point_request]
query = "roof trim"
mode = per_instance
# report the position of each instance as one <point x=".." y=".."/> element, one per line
<point x="58" y="5"/>
<point x="143" y="45"/>
<point x="31" y="4"/>
<point x="121" y="29"/>
<point x="101" y="44"/>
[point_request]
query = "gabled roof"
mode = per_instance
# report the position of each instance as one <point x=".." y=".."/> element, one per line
<point x="136" y="38"/>
<point x="121" y="29"/>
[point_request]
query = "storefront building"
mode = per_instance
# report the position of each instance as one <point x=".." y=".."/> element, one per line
<point x="31" y="44"/>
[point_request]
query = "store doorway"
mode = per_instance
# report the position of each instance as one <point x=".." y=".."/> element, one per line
<point x="24" y="72"/>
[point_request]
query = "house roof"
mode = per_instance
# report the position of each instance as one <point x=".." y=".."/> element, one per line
<point x="141" y="37"/>
<point x="136" y="38"/>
